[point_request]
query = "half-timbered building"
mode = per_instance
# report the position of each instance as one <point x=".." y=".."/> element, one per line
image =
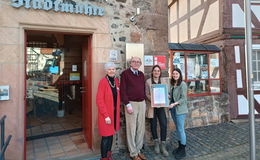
<point x="221" y="23"/>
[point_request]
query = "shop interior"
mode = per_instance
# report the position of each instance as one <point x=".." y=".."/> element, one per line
<point x="54" y="95"/>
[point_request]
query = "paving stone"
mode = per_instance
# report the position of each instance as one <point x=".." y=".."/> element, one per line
<point x="215" y="142"/>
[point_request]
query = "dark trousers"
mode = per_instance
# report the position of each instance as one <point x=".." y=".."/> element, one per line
<point x="106" y="145"/>
<point x="160" y="114"/>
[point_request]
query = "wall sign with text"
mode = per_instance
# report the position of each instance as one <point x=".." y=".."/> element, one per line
<point x="58" y="6"/>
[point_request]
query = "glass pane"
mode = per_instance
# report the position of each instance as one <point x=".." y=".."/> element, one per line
<point x="195" y="87"/>
<point x="178" y="62"/>
<point x="258" y="65"/>
<point x="258" y="55"/>
<point x="214" y="65"/>
<point x="254" y="65"/>
<point x="253" y="55"/>
<point x="215" y="86"/>
<point x="255" y="76"/>
<point x="197" y="66"/>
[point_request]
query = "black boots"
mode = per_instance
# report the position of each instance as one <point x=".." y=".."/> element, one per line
<point x="181" y="153"/>
<point x="176" y="149"/>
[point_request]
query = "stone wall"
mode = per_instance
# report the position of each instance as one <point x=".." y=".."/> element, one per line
<point x="207" y="110"/>
<point x="149" y="28"/>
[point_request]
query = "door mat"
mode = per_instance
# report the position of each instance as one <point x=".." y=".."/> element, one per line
<point x="59" y="133"/>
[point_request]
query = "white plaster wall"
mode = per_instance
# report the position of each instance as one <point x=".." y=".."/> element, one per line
<point x="173" y="13"/>
<point x="256" y="11"/>
<point x="238" y="16"/>
<point x="183" y="7"/>
<point x="195" y="22"/>
<point x="183" y="31"/>
<point x="173" y="34"/>
<point x="194" y="4"/>
<point x="212" y="19"/>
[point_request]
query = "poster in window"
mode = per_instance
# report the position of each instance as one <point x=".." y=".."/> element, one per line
<point x="161" y="61"/>
<point x="159" y="95"/>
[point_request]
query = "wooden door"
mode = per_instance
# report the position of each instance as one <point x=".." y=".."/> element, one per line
<point x="86" y="90"/>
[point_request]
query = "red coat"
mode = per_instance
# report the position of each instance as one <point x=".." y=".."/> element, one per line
<point x="104" y="100"/>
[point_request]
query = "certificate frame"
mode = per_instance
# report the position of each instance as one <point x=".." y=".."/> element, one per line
<point x="159" y="95"/>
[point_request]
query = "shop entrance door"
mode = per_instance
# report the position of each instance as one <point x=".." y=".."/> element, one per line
<point x="86" y="90"/>
<point x="58" y="94"/>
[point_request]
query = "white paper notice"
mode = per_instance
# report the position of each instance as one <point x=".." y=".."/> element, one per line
<point x="239" y="79"/>
<point x="237" y="54"/>
<point x="159" y="95"/>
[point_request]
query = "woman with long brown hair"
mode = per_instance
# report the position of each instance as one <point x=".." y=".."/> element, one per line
<point x="156" y="113"/>
<point x="179" y="109"/>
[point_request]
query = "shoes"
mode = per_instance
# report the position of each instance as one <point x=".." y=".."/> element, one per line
<point x="181" y="153"/>
<point x="136" y="158"/>
<point x="109" y="155"/>
<point x="156" y="146"/>
<point x="163" y="149"/>
<point x="177" y="149"/>
<point x="141" y="156"/>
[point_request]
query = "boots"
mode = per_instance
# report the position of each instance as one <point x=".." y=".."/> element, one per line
<point x="181" y="153"/>
<point x="163" y="149"/>
<point x="176" y="149"/>
<point x="156" y="146"/>
<point x="104" y="159"/>
<point x="109" y="155"/>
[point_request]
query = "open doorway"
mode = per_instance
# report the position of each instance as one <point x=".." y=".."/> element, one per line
<point x="56" y="91"/>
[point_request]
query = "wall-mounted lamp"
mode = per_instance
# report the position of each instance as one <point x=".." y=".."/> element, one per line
<point x="132" y="19"/>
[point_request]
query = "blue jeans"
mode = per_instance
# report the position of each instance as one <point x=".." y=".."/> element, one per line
<point x="179" y="121"/>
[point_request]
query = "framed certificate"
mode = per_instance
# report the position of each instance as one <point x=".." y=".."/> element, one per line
<point x="159" y="95"/>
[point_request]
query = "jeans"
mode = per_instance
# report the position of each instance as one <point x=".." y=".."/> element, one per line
<point x="160" y="114"/>
<point x="179" y="121"/>
<point x="106" y="145"/>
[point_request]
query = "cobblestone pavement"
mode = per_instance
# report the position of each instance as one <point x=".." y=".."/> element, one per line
<point x="225" y="141"/>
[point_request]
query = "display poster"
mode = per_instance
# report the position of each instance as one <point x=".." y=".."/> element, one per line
<point x="74" y="76"/>
<point x="4" y="92"/>
<point x="161" y="61"/>
<point x="148" y="60"/>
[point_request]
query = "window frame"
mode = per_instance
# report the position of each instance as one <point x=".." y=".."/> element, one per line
<point x="209" y="79"/>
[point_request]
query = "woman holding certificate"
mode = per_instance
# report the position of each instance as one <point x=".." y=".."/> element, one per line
<point x="155" y="111"/>
<point x="179" y="109"/>
<point x="108" y="102"/>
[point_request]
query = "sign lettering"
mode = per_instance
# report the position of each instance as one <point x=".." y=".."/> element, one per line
<point x="58" y="6"/>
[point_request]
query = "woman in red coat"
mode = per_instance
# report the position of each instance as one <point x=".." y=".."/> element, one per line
<point x="108" y="102"/>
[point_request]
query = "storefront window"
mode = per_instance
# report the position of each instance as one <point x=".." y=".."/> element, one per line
<point x="256" y="66"/>
<point x="200" y="72"/>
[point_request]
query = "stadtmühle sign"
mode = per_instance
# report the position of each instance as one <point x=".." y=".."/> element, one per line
<point x="58" y="6"/>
